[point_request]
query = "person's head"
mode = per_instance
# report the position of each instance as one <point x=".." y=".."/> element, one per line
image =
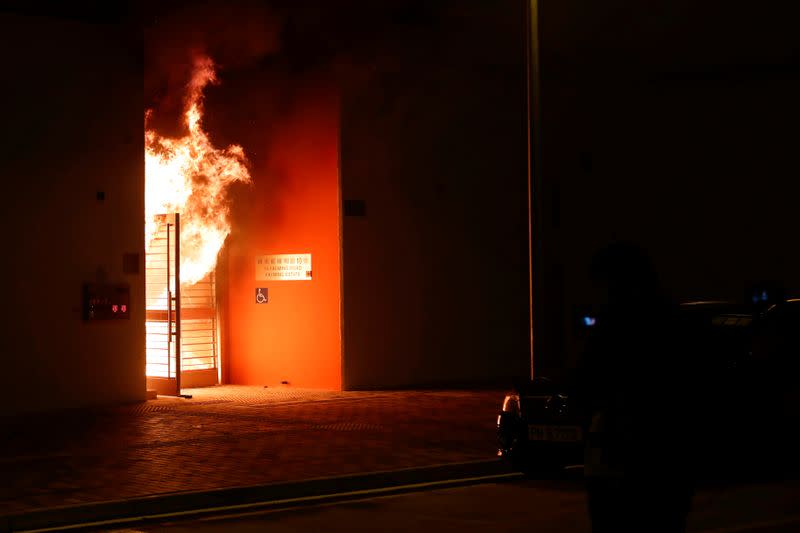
<point x="624" y="272"/>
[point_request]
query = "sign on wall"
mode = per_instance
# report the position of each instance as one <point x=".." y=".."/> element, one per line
<point x="262" y="295"/>
<point x="102" y="301"/>
<point x="283" y="267"/>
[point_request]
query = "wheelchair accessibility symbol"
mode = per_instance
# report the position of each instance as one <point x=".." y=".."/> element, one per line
<point x="262" y="295"/>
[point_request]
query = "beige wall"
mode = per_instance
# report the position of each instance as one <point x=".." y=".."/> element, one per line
<point x="72" y="126"/>
<point x="436" y="272"/>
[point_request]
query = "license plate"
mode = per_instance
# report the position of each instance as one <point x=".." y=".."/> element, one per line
<point x="554" y="433"/>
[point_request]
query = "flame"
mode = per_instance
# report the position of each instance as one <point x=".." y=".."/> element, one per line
<point x="190" y="176"/>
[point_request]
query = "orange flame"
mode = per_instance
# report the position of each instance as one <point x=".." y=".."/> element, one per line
<point x="190" y="176"/>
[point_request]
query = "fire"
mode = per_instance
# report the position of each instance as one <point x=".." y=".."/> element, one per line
<point x="190" y="176"/>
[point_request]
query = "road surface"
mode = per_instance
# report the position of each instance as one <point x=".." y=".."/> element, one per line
<point x="556" y="506"/>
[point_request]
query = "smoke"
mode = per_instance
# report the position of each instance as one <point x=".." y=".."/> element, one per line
<point x="344" y="39"/>
<point x="269" y="52"/>
<point x="235" y="34"/>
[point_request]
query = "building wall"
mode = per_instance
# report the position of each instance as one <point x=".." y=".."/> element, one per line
<point x="670" y="124"/>
<point x="72" y="126"/>
<point x="292" y="207"/>
<point x="433" y="146"/>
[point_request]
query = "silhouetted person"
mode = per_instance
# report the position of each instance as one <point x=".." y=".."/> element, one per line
<point x="638" y="455"/>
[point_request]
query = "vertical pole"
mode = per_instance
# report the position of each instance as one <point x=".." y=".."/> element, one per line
<point x="169" y="311"/>
<point x="343" y="102"/>
<point x="534" y="178"/>
<point x="215" y="324"/>
<point x="178" y="301"/>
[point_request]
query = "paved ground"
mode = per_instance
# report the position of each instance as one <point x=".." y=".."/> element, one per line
<point x="234" y="436"/>
<point x="521" y="506"/>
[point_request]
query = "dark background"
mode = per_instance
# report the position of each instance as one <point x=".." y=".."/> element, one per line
<point x="672" y="123"/>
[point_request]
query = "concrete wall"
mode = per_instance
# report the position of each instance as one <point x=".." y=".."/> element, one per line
<point x="72" y="126"/>
<point x="433" y="144"/>
<point x="672" y="124"/>
<point x="292" y="207"/>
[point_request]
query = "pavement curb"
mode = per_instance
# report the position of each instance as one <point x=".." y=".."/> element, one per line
<point x="317" y="490"/>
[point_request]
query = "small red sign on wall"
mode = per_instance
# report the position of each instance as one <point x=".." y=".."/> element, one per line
<point x="105" y="301"/>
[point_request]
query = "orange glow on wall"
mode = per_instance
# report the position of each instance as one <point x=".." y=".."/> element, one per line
<point x="292" y="209"/>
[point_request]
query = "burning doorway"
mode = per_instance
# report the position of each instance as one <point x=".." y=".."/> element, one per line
<point x="188" y="178"/>
<point x="289" y="210"/>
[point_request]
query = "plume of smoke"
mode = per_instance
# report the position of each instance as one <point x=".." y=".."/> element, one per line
<point x="235" y="33"/>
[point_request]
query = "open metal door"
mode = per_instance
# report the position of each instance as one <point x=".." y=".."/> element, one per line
<point x="199" y="348"/>
<point x="162" y="308"/>
<point x="181" y="320"/>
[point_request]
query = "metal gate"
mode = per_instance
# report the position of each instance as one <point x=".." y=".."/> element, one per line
<point x="181" y="321"/>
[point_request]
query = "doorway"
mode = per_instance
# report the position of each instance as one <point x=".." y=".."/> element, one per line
<point x="181" y="345"/>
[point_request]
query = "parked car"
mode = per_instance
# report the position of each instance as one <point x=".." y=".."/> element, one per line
<point x="542" y="425"/>
<point x="745" y="398"/>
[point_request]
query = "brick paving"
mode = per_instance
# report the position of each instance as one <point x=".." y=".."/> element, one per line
<point x="234" y="436"/>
